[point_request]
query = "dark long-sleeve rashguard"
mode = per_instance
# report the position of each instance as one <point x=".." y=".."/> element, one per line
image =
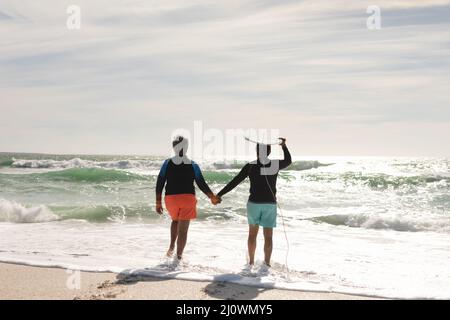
<point x="179" y="179"/>
<point x="262" y="187"/>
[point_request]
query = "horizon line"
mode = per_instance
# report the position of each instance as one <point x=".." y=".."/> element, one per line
<point x="220" y="156"/>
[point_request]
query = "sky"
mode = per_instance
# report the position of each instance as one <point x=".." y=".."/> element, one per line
<point x="138" y="70"/>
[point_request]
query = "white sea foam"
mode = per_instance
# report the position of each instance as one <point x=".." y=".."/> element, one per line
<point x="17" y="213"/>
<point x="139" y="164"/>
<point x="81" y="163"/>
<point x="397" y="223"/>
<point x="357" y="261"/>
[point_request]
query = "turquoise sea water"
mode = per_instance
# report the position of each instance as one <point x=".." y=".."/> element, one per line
<point x="375" y="226"/>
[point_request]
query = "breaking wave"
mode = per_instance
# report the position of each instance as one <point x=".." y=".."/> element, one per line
<point x="11" y="211"/>
<point x="91" y="175"/>
<point x="15" y="212"/>
<point x="379" y="181"/>
<point x="81" y="163"/>
<point x="135" y="164"/>
<point x="405" y="224"/>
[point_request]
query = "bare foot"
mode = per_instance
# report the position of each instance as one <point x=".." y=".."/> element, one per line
<point x="247" y="270"/>
<point x="169" y="253"/>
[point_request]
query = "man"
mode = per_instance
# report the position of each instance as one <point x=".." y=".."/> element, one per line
<point x="178" y="175"/>
<point x="262" y="203"/>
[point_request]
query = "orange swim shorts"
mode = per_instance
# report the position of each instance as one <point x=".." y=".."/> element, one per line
<point x="181" y="206"/>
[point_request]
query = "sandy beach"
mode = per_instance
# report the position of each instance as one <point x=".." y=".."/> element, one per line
<point x="27" y="282"/>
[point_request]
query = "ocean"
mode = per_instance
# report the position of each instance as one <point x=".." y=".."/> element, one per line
<point x="369" y="226"/>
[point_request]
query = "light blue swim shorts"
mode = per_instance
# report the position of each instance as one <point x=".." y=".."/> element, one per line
<point x="263" y="214"/>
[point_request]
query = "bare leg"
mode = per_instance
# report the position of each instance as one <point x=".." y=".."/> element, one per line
<point x="268" y="245"/>
<point x="173" y="237"/>
<point x="251" y="243"/>
<point x="183" y="227"/>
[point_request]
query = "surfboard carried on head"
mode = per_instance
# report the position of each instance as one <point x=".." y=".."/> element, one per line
<point x="260" y="142"/>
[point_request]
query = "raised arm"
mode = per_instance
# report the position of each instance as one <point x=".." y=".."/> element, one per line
<point x="160" y="186"/>
<point x="201" y="183"/>
<point x="236" y="180"/>
<point x="287" y="160"/>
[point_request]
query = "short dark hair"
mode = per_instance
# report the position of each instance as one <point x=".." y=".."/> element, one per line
<point x="179" y="139"/>
<point x="180" y="145"/>
<point x="266" y="147"/>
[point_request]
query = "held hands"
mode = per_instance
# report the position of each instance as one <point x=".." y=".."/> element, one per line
<point x="215" y="200"/>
